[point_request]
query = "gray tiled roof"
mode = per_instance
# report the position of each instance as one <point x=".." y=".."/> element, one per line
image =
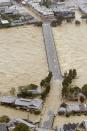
<point x="8" y="99"/>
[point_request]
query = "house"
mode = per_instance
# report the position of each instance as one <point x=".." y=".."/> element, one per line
<point x="67" y="127"/>
<point x="22" y="103"/>
<point x="4" y="22"/>
<point x="5" y="3"/>
<point x="35" y="104"/>
<point x="7" y="100"/>
<point x="83" y="8"/>
<point x="74" y="107"/>
<point x="27" y="104"/>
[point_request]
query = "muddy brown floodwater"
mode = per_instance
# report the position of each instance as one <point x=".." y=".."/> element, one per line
<point x="22" y="57"/>
<point x="71" y="43"/>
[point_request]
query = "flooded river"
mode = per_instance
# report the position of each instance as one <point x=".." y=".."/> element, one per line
<point x="71" y="43"/>
<point x="22" y="57"/>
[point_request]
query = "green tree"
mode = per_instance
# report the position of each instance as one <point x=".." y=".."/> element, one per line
<point x="82" y="99"/>
<point x="46" y="84"/>
<point x="21" y="127"/>
<point x="42" y="83"/>
<point x="47" y="3"/>
<point x="84" y="90"/>
<point x="24" y="90"/>
<point x="47" y="80"/>
<point x="32" y="86"/>
<point x="65" y="75"/>
<point x="64" y="92"/>
<point x="74" y="74"/>
<point x="70" y="74"/>
<point x="4" y="119"/>
<point x="68" y="77"/>
<point x="59" y="19"/>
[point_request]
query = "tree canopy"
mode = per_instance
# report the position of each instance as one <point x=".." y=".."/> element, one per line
<point x="84" y="90"/>
<point x="21" y="127"/>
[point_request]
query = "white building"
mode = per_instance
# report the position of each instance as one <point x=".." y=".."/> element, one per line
<point x="4" y="4"/>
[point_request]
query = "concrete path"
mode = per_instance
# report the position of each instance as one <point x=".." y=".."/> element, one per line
<point x="51" y="53"/>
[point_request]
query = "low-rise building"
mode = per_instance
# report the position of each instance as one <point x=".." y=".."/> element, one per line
<point x="4" y="4"/>
<point x="74" y="107"/>
<point x="35" y="104"/>
<point x="8" y="100"/>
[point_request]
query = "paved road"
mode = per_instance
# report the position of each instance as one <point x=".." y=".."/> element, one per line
<point x="51" y="53"/>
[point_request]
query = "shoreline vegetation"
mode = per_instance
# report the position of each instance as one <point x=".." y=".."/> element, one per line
<point x="45" y="88"/>
<point x="74" y="97"/>
<point x="29" y="92"/>
<point x="70" y="91"/>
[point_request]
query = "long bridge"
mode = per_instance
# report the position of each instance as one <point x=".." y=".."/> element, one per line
<point x="51" y="53"/>
<point x="51" y="104"/>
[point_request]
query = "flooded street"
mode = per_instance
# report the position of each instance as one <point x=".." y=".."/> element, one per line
<point x="71" y="43"/>
<point x="13" y="113"/>
<point x="22" y="57"/>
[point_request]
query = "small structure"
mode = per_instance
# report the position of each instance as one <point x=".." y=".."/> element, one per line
<point x="19" y="120"/>
<point x="62" y="111"/>
<point x="4" y="22"/>
<point x="8" y="100"/>
<point x="66" y="14"/>
<point x="21" y="103"/>
<point x="14" y="122"/>
<point x="70" y="108"/>
<point x="4" y="4"/>
<point x="82" y="126"/>
<point x="67" y="127"/>
<point x="3" y="127"/>
<point x="73" y="107"/>
<point x="83" y="8"/>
